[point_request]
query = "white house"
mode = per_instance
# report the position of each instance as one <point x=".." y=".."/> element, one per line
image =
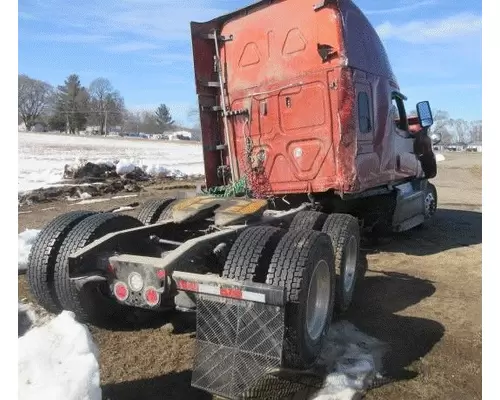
<point x="179" y="135"/>
<point x="475" y="147"/>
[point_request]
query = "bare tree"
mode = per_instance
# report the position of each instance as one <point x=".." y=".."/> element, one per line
<point x="131" y="121"/>
<point x="462" y="129"/>
<point x="193" y="115"/>
<point x="106" y="105"/>
<point x="442" y="125"/>
<point x="149" y="123"/>
<point x="477" y="131"/>
<point x="34" y="97"/>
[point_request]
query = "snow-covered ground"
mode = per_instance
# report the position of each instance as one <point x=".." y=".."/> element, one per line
<point x="42" y="156"/>
<point x="24" y="242"/>
<point x="440" y="157"/>
<point x="57" y="359"/>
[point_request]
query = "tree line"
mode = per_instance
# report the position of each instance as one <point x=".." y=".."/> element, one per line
<point x="456" y="130"/>
<point x="72" y="107"/>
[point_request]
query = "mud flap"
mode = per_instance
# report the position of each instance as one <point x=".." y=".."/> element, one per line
<point x="239" y="346"/>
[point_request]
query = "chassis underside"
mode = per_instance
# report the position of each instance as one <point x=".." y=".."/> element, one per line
<point x="253" y="300"/>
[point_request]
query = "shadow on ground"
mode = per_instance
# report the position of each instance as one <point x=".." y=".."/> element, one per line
<point x="173" y="386"/>
<point x="450" y="229"/>
<point x="379" y="298"/>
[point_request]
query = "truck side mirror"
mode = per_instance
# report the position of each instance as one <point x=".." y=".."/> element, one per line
<point x="424" y="114"/>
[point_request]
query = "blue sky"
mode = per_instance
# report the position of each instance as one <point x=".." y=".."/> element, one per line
<point x="143" y="47"/>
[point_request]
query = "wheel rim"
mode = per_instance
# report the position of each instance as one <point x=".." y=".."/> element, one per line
<point x="430" y="205"/>
<point x="318" y="300"/>
<point x="351" y="260"/>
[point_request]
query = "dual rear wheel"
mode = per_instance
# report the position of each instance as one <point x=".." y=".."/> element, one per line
<point x="48" y="271"/>
<point x="344" y="233"/>
<point x="303" y="261"/>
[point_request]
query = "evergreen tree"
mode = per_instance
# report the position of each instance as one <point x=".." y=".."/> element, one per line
<point x="163" y="117"/>
<point x="72" y="104"/>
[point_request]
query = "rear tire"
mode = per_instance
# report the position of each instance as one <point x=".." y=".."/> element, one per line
<point x="303" y="263"/>
<point x="308" y="220"/>
<point x="166" y="213"/>
<point x="343" y="230"/>
<point x="42" y="258"/>
<point x="93" y="302"/>
<point x="151" y="210"/>
<point x="249" y="257"/>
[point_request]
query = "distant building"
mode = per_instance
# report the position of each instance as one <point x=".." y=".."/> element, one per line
<point x="456" y="147"/>
<point x="476" y="147"/>
<point x="92" y="129"/>
<point x="179" y="135"/>
<point x="38" y="127"/>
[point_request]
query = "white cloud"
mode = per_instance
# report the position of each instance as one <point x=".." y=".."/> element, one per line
<point x="152" y="19"/>
<point x="438" y="30"/>
<point x="133" y="46"/>
<point x="404" y="8"/>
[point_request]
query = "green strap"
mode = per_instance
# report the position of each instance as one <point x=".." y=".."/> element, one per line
<point x="236" y="189"/>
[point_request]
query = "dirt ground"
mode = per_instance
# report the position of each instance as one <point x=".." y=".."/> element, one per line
<point x="421" y="295"/>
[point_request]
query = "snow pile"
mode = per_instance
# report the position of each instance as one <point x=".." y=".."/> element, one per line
<point x="24" y="242"/>
<point x="157" y="170"/>
<point x="350" y="363"/>
<point x="58" y="361"/>
<point x="439" y="157"/>
<point x="125" y="167"/>
<point x="88" y="201"/>
<point x="353" y="360"/>
<point x="26" y="317"/>
<point x="161" y="171"/>
<point x="31" y="315"/>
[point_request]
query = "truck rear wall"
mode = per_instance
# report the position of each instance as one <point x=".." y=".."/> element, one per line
<point x="286" y="64"/>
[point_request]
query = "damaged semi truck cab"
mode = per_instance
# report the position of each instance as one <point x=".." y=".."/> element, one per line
<point x="301" y="98"/>
<point x="305" y="129"/>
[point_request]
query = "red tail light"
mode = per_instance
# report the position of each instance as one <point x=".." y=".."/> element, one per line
<point x="152" y="297"/>
<point x="120" y="291"/>
<point x="160" y="274"/>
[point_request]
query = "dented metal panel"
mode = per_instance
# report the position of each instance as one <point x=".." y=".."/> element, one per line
<point x="296" y="81"/>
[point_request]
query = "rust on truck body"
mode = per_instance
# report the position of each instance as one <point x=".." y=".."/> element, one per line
<point x="317" y="91"/>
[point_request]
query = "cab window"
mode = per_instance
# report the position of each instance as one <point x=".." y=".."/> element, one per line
<point x="364" y="115"/>
<point x="400" y="118"/>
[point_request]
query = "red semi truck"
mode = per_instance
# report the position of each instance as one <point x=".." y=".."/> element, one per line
<point x="305" y="127"/>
